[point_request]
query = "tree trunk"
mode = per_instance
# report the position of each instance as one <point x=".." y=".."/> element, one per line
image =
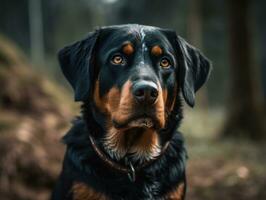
<point x="245" y="103"/>
<point x="36" y="31"/>
<point x="261" y="16"/>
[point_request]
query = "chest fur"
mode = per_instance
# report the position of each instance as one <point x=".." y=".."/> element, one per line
<point x="81" y="191"/>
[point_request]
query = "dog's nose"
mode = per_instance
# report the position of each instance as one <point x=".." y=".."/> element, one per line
<point x="145" y="92"/>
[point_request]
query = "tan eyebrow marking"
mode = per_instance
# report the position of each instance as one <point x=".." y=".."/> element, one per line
<point x="156" y="50"/>
<point x="128" y="48"/>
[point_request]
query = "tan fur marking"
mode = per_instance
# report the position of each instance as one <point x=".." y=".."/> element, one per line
<point x="100" y="102"/>
<point x="170" y="103"/>
<point x="128" y="49"/>
<point x="177" y="194"/>
<point x="147" y="144"/>
<point x="81" y="191"/>
<point x="126" y="103"/>
<point x="165" y="93"/>
<point x="115" y="142"/>
<point x="145" y="147"/>
<point x="160" y="107"/>
<point x="157" y="50"/>
<point x="113" y="100"/>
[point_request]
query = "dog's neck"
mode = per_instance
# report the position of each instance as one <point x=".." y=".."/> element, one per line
<point x="94" y="122"/>
<point x="140" y="146"/>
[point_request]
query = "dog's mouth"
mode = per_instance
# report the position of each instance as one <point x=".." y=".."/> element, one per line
<point x="142" y="121"/>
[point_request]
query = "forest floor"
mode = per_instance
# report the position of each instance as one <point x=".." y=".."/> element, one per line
<point x="218" y="168"/>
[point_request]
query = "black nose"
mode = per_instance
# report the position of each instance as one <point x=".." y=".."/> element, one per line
<point x="145" y="92"/>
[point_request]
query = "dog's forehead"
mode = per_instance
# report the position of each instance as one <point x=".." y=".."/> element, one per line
<point x="117" y="35"/>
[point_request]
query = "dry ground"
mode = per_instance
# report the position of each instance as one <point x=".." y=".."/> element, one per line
<point x="231" y="169"/>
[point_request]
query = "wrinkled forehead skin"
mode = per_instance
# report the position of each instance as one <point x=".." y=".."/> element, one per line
<point x="142" y="38"/>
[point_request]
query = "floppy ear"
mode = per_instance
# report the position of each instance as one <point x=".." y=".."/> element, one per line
<point x="194" y="69"/>
<point x="77" y="64"/>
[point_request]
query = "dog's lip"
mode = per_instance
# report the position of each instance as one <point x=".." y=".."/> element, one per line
<point x="144" y="122"/>
<point x="141" y="121"/>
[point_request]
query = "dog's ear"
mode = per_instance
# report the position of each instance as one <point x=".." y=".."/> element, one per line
<point x="76" y="61"/>
<point x="194" y="69"/>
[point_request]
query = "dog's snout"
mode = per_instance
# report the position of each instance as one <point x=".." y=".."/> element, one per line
<point x="145" y="92"/>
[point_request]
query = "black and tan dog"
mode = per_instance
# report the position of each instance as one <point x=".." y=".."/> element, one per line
<point x="126" y="145"/>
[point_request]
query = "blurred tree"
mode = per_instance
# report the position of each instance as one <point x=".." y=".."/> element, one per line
<point x="214" y="45"/>
<point x="36" y="31"/>
<point x="261" y="16"/>
<point x="14" y="21"/>
<point x="245" y="105"/>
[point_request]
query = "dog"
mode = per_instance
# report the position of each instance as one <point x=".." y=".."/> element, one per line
<point x="132" y="80"/>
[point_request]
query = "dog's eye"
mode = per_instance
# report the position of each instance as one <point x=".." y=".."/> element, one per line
<point x="117" y="60"/>
<point x="165" y="63"/>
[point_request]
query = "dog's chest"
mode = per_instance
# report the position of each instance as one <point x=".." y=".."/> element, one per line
<point x="81" y="191"/>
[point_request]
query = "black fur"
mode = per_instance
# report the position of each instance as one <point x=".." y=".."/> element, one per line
<point x="76" y="63"/>
<point x="80" y="63"/>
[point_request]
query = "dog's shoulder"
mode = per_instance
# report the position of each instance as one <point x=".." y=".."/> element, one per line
<point x="76" y="133"/>
<point x="68" y="183"/>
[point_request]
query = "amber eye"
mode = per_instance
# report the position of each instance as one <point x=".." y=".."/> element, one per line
<point x="165" y="63"/>
<point x="117" y="60"/>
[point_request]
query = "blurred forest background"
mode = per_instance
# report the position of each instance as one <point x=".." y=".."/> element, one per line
<point x="225" y="133"/>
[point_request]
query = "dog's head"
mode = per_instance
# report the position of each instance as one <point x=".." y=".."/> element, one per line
<point x="132" y="75"/>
